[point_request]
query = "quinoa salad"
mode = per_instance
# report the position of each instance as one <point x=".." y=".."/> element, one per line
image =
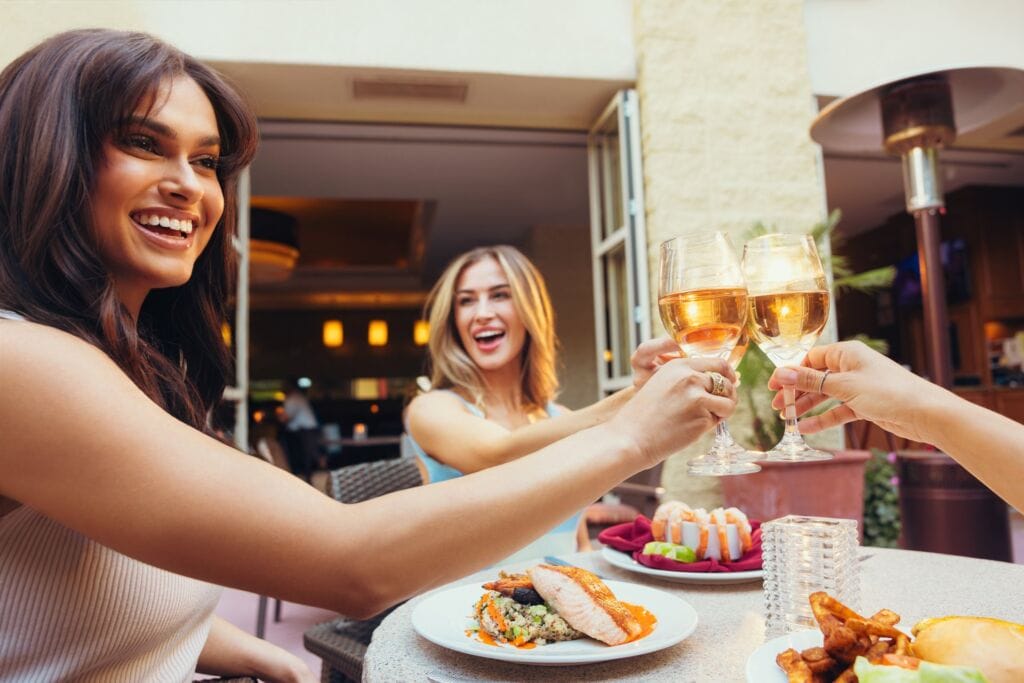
<point x="507" y="620"/>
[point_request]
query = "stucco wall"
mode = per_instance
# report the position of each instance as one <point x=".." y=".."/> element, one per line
<point x="725" y="106"/>
<point x="524" y="37"/>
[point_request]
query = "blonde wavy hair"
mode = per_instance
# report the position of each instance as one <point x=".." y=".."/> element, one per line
<point x="451" y="366"/>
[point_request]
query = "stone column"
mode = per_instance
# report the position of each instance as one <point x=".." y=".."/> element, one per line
<point x="725" y="108"/>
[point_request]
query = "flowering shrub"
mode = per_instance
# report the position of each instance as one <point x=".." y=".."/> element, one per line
<point x="881" y="500"/>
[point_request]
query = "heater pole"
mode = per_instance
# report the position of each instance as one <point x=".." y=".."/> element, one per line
<point x="933" y="297"/>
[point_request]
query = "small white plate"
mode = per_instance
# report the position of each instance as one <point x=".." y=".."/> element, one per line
<point x="442" y="618"/>
<point x="624" y="561"/>
<point x="761" y="666"/>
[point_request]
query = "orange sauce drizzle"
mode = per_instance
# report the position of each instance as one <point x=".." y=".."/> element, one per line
<point x="646" y="619"/>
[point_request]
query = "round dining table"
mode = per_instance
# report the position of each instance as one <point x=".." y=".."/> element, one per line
<point x="731" y="621"/>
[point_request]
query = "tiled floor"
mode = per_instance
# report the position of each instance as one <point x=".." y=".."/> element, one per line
<point x="240" y="607"/>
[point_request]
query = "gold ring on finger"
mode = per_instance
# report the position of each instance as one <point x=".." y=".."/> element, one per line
<point x="719" y="387"/>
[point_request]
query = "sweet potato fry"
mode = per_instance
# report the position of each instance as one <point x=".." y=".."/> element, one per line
<point x="818" y="660"/>
<point x="795" y="667"/>
<point x="846" y="677"/>
<point x="873" y="628"/>
<point x="824" y="603"/>
<point x="886" y="616"/>
<point x="877" y="651"/>
<point x="902" y="645"/>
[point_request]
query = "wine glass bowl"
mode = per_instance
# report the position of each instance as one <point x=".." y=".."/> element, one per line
<point x="703" y="304"/>
<point x="789" y="306"/>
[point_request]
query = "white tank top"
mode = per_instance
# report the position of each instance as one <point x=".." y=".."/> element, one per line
<point x="73" y="609"/>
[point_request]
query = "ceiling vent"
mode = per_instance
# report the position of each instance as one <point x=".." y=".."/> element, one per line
<point x="410" y="89"/>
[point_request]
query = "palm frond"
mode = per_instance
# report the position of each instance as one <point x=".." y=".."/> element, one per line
<point x="866" y="281"/>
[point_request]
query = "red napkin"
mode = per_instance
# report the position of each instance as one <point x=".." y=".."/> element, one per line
<point x="632" y="536"/>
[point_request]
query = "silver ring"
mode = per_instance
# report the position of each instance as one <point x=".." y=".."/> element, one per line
<point x="719" y="387"/>
<point x="821" y="384"/>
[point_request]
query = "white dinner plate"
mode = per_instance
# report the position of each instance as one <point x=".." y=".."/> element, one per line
<point x="442" y="618"/>
<point x="624" y="561"/>
<point x="761" y="666"/>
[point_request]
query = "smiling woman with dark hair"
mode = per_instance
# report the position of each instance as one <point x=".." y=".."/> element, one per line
<point x="118" y="511"/>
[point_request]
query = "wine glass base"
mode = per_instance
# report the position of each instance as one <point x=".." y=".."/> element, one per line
<point x="706" y="466"/>
<point x="796" y="453"/>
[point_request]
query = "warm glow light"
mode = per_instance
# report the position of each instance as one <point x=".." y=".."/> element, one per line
<point x="334" y="333"/>
<point x="607" y="355"/>
<point x="377" y="335"/>
<point x="374" y="408"/>
<point x="257" y="417"/>
<point x="225" y="333"/>
<point x="421" y="332"/>
<point x="279" y="396"/>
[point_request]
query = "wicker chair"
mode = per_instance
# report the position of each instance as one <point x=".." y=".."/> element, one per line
<point x="342" y="642"/>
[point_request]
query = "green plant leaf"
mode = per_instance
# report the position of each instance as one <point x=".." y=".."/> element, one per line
<point x="866" y="281"/>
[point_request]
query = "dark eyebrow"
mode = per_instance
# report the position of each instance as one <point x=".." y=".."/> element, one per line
<point x="167" y="131"/>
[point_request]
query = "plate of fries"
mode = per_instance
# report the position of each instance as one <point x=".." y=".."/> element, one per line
<point x="827" y="654"/>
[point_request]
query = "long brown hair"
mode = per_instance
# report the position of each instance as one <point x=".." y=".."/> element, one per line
<point x="450" y="364"/>
<point x="59" y="103"/>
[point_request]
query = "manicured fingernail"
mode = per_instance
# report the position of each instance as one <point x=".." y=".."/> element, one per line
<point x="786" y="375"/>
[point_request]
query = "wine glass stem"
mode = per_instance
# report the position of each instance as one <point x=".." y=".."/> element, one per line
<point x="789" y="396"/>
<point x="721" y="434"/>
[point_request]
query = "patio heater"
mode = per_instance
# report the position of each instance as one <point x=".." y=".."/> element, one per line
<point x="914" y="118"/>
<point x="940" y="502"/>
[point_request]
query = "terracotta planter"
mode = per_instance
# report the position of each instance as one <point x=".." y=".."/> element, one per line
<point x="826" y="488"/>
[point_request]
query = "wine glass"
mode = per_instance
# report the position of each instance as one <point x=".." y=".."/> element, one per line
<point x="789" y="304"/>
<point x="703" y="305"/>
<point x="735" y="358"/>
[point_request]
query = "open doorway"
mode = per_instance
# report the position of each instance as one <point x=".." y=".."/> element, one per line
<point x="376" y="213"/>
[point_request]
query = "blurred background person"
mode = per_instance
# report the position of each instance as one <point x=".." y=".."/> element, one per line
<point x="301" y="434"/>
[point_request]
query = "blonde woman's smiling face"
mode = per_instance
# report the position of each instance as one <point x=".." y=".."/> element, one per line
<point x="486" y="318"/>
<point x="157" y="198"/>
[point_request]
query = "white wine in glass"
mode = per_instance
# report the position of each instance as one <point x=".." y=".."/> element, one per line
<point x="789" y="305"/>
<point x="703" y="305"/>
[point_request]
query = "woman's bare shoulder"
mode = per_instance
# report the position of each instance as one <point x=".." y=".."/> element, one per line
<point x="436" y="399"/>
<point x="28" y="347"/>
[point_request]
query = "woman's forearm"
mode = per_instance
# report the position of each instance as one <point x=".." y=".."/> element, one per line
<point x="989" y="445"/>
<point x="402" y="544"/>
<point x="532" y="437"/>
<point x="230" y="651"/>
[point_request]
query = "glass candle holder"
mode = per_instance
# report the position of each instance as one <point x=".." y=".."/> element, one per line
<point x="803" y="555"/>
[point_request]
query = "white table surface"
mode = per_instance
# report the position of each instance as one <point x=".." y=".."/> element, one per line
<point x="914" y="584"/>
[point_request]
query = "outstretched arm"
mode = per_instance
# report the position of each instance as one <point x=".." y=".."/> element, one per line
<point x="84" y="446"/>
<point x="443" y="427"/>
<point x="873" y="387"/>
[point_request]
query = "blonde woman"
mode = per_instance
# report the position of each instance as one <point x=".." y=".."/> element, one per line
<point x="492" y="358"/>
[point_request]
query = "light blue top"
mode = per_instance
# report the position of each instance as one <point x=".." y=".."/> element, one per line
<point x="560" y="540"/>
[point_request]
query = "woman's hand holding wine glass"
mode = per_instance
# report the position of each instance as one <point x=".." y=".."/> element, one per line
<point x="703" y="304"/>
<point x="789" y="306"/>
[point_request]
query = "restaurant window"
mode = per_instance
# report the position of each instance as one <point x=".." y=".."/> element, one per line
<point x="618" y="240"/>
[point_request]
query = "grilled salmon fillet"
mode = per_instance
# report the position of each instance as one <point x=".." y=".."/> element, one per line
<point x="585" y="602"/>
